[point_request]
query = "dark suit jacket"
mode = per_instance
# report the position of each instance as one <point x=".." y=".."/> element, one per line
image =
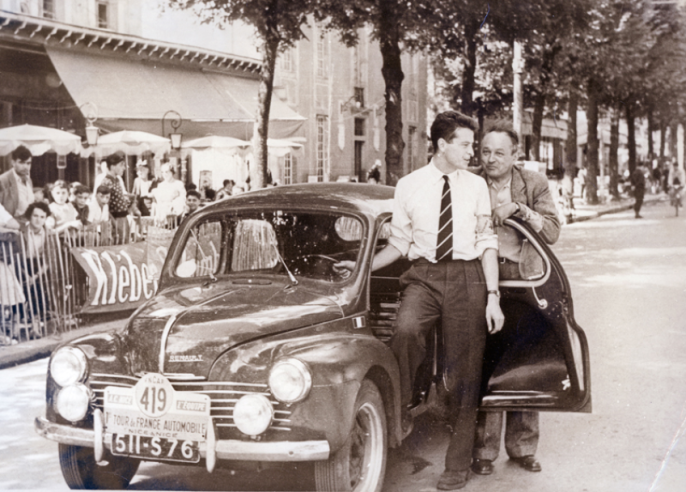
<point x="9" y="193"/>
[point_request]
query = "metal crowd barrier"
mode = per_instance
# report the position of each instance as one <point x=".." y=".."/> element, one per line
<point x="36" y="286"/>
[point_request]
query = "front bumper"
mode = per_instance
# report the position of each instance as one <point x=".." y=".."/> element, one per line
<point x="212" y="450"/>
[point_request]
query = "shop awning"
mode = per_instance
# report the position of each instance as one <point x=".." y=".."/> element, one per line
<point x="135" y="95"/>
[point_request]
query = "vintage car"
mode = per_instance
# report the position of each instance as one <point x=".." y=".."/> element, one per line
<point x="255" y="349"/>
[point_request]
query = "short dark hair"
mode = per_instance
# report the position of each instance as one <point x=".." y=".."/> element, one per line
<point x="114" y="159"/>
<point x="191" y="186"/>
<point x="80" y="188"/>
<point x="103" y="190"/>
<point x="502" y="126"/>
<point x="446" y="123"/>
<point x="42" y="205"/>
<point x="193" y="193"/>
<point x="21" y="153"/>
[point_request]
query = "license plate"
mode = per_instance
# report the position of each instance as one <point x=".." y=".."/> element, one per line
<point x="137" y="446"/>
<point x="152" y="420"/>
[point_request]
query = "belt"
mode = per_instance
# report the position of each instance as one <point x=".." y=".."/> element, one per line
<point x="505" y="261"/>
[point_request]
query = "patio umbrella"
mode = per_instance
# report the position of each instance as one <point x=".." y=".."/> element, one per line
<point x="280" y="147"/>
<point x="131" y="143"/>
<point x="38" y="139"/>
<point x="223" y="145"/>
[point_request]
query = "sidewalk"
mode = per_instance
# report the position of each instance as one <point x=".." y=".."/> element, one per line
<point x="587" y="212"/>
<point x="11" y="355"/>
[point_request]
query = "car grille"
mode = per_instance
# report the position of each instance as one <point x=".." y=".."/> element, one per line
<point x="223" y="396"/>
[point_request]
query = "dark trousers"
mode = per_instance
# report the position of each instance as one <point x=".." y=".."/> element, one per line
<point x="454" y="294"/>
<point x="521" y="434"/>
<point x="638" y="194"/>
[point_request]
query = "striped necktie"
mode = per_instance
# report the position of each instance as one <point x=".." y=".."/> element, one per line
<point x="444" y="245"/>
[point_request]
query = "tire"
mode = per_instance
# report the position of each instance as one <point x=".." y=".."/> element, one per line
<point x="360" y="464"/>
<point x="80" y="470"/>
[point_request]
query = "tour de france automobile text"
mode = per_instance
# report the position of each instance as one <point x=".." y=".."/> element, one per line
<point x="153" y="427"/>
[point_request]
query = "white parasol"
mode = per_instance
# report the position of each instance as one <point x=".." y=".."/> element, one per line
<point x="281" y="147"/>
<point x="223" y="145"/>
<point x="130" y="142"/>
<point x="38" y="139"/>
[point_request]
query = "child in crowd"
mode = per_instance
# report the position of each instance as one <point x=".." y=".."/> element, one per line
<point x="193" y="199"/>
<point x="34" y="270"/>
<point x="98" y="208"/>
<point x="81" y="195"/>
<point x="64" y="213"/>
<point x="146" y="206"/>
<point x="39" y="195"/>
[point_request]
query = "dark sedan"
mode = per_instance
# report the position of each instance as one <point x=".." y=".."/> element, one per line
<point x="255" y="349"/>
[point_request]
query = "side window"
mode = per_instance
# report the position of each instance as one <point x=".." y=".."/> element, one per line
<point x="523" y="263"/>
<point x="202" y="252"/>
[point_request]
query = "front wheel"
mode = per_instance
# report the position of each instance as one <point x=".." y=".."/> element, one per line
<point x="360" y="464"/>
<point x="80" y="470"/>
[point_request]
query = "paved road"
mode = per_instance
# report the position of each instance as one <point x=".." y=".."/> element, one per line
<point x="627" y="278"/>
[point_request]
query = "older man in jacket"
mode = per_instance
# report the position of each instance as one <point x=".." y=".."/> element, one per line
<point x="524" y="194"/>
<point x="16" y="188"/>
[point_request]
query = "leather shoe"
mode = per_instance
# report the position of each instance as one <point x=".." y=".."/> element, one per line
<point x="482" y="467"/>
<point x="451" y="480"/>
<point x="529" y="463"/>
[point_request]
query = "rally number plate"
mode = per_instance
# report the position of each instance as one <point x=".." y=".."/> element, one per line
<point x="155" y="448"/>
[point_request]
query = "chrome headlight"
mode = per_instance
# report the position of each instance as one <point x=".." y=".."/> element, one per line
<point x="253" y="414"/>
<point x="290" y="380"/>
<point x="68" y="366"/>
<point x="72" y="402"/>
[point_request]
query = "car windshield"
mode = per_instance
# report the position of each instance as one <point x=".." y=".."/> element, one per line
<point x="284" y="243"/>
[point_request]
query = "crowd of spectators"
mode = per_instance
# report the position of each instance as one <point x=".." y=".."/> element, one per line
<point x="109" y="211"/>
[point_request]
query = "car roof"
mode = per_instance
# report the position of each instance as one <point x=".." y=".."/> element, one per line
<point x="368" y="199"/>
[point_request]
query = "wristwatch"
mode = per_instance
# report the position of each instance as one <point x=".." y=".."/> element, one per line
<point x="494" y="292"/>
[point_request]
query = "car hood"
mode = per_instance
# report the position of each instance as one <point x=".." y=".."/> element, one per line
<point x="183" y="331"/>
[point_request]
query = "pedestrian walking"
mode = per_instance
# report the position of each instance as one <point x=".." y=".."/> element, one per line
<point x="442" y="222"/>
<point x="638" y="183"/>
<point x="514" y="192"/>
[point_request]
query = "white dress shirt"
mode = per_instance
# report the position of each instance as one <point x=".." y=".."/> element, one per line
<point x="416" y="210"/>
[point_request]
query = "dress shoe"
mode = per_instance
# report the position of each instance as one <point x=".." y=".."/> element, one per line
<point x="529" y="463"/>
<point x="482" y="467"/>
<point x="452" y="480"/>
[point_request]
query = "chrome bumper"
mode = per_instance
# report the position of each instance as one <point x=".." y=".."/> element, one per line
<point x="212" y="450"/>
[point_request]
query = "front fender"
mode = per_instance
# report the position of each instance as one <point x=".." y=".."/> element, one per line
<point x="339" y="362"/>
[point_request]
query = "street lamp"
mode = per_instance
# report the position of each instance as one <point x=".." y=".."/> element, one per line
<point x="90" y="113"/>
<point x="175" y="123"/>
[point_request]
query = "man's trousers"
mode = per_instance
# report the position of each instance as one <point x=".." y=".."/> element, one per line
<point x="452" y="293"/>
<point x="521" y="434"/>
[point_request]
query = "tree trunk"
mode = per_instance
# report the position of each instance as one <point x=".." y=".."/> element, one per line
<point x="673" y="127"/>
<point x="631" y="135"/>
<point x="592" y="145"/>
<point x="537" y="125"/>
<point x="260" y="162"/>
<point x="614" y="154"/>
<point x="468" y="74"/>
<point x="651" y="129"/>
<point x="389" y="41"/>
<point x="663" y="135"/>
<point x="571" y="148"/>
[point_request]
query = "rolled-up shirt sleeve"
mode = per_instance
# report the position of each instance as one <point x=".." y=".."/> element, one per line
<point x="401" y="225"/>
<point x="486" y="237"/>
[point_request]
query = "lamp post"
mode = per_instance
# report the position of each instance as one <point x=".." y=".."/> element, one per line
<point x="90" y="113"/>
<point x="175" y="123"/>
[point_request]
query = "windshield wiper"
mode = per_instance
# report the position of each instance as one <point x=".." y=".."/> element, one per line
<point x="294" y="281"/>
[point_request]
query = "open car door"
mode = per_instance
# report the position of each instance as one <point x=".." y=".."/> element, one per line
<point x="540" y="359"/>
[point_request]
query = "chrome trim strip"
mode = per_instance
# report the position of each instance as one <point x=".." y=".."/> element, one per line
<point x="227" y="449"/>
<point x="163" y="341"/>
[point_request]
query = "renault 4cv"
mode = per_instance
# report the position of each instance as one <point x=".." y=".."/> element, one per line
<point x="255" y="349"/>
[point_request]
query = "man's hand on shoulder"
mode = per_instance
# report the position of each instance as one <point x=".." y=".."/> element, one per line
<point x="504" y="212"/>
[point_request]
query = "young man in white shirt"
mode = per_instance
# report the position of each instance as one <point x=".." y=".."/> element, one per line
<point x="442" y="221"/>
